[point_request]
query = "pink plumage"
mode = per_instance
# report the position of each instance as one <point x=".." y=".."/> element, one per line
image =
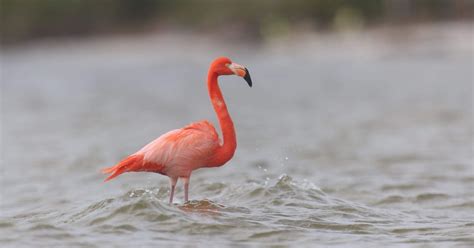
<point x="179" y="152"/>
<point x="182" y="150"/>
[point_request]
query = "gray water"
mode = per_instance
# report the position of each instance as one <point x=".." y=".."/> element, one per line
<point x="345" y="140"/>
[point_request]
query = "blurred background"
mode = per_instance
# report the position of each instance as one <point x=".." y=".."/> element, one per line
<point x="358" y="131"/>
<point x="250" y="20"/>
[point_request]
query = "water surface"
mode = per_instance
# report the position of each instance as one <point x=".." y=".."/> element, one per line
<point x="352" y="140"/>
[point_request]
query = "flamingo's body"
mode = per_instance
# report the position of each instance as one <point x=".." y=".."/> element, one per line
<point x="177" y="153"/>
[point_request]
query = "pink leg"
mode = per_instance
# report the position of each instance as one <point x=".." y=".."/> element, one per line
<point x="173" y="181"/>
<point x="186" y="188"/>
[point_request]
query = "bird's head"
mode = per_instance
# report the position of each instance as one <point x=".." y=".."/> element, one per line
<point x="224" y="66"/>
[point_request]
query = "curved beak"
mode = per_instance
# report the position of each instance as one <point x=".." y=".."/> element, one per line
<point x="247" y="77"/>
<point x="241" y="72"/>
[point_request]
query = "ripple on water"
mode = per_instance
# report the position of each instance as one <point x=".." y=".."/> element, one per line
<point x="43" y="227"/>
<point x="150" y="204"/>
<point x="401" y="187"/>
<point x="430" y="197"/>
<point x="253" y="211"/>
<point x="6" y="224"/>
<point x="267" y="234"/>
<point x="465" y="205"/>
<point x="391" y="200"/>
<point x="116" y="229"/>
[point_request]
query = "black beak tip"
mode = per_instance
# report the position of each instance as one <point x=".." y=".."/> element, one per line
<point x="247" y="77"/>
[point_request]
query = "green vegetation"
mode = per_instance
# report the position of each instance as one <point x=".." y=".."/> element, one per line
<point x="28" y="19"/>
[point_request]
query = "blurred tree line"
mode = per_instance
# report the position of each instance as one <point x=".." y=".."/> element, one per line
<point x="23" y="20"/>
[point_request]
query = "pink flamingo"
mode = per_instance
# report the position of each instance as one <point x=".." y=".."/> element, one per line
<point x="177" y="153"/>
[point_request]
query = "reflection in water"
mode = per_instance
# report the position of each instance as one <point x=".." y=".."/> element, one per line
<point x="202" y="206"/>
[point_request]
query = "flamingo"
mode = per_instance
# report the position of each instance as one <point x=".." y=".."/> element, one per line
<point x="179" y="152"/>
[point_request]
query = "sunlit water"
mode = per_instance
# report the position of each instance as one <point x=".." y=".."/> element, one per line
<point x="352" y="140"/>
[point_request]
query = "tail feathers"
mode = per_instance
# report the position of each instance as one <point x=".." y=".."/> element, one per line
<point x="108" y="170"/>
<point x="131" y="163"/>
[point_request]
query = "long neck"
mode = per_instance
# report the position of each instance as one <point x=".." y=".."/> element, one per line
<point x="226" y="150"/>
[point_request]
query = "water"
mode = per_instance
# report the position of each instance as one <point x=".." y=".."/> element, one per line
<point x="352" y="140"/>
